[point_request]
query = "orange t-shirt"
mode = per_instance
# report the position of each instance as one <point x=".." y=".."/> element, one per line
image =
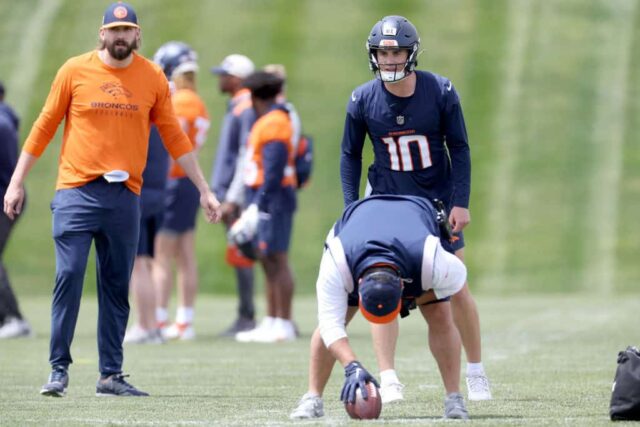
<point x="194" y="119"/>
<point x="108" y="113"/>
<point x="275" y="126"/>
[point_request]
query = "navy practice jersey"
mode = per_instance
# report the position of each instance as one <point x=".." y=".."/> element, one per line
<point x="154" y="177"/>
<point x="419" y="142"/>
<point x="374" y="231"/>
<point x="8" y="150"/>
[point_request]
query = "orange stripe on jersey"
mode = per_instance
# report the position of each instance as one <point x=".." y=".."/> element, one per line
<point x="194" y="119"/>
<point x="272" y="127"/>
<point x="241" y="101"/>
<point x="108" y="113"/>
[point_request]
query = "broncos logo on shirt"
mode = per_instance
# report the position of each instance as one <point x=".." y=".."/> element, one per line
<point x="194" y="119"/>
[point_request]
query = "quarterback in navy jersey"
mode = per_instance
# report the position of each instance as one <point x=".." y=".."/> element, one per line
<point x="384" y="256"/>
<point x="415" y="123"/>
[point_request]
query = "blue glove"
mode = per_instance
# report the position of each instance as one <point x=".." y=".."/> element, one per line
<point x="355" y="376"/>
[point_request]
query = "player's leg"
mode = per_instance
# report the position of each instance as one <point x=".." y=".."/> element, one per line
<point x="467" y="319"/>
<point x="144" y="295"/>
<point x="187" y="268"/>
<point x="444" y="342"/>
<point x="243" y="268"/>
<point x="116" y="245"/>
<point x="166" y="249"/>
<point x="72" y="234"/>
<point x="141" y="287"/>
<point x="385" y="339"/>
<point x="321" y="363"/>
<point x="12" y="323"/>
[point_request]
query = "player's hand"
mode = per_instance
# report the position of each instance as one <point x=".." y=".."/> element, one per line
<point x="229" y="212"/>
<point x="13" y="200"/>
<point x="246" y="227"/>
<point x="210" y="205"/>
<point x="459" y="218"/>
<point x="355" y="377"/>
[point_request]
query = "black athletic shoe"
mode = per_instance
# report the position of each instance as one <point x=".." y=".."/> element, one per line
<point x="115" y="385"/>
<point x="57" y="384"/>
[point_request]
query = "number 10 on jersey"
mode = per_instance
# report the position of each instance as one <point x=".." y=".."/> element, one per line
<point x="400" y="152"/>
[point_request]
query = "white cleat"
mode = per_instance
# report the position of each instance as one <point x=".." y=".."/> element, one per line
<point x="138" y="335"/>
<point x="391" y="392"/>
<point x="15" y="328"/>
<point x="478" y="387"/>
<point x="179" y="331"/>
<point x="309" y="407"/>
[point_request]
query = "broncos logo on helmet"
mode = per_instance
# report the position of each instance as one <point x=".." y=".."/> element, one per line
<point x="393" y="32"/>
<point x="176" y="58"/>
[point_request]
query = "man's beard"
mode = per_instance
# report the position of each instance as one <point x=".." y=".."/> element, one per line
<point x="120" y="49"/>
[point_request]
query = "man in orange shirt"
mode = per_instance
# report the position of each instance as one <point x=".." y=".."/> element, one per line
<point x="109" y="97"/>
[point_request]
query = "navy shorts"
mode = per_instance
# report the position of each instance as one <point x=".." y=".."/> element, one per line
<point x="181" y="206"/>
<point x="274" y="234"/>
<point x="149" y="227"/>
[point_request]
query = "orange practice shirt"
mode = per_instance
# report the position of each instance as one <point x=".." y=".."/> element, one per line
<point x="194" y="119"/>
<point x="275" y="126"/>
<point x="108" y="113"/>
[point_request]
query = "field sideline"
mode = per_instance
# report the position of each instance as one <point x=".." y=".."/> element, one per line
<point x="551" y="360"/>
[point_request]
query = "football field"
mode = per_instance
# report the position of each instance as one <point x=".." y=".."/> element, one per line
<point x="551" y="359"/>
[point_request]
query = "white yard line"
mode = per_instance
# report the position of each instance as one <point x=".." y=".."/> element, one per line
<point x="33" y="40"/>
<point x="607" y="143"/>
<point x="507" y="133"/>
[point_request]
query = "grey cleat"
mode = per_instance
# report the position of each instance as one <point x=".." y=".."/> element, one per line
<point x="115" y="385"/>
<point x="309" y="406"/>
<point x="57" y="384"/>
<point x="454" y="408"/>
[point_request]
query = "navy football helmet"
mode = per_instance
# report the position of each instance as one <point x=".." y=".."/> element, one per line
<point x="176" y="58"/>
<point x="393" y="32"/>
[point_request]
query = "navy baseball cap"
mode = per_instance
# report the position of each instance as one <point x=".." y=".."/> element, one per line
<point x="120" y="15"/>
<point x="380" y="294"/>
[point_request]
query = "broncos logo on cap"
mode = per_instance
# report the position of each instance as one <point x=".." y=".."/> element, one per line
<point x="120" y="12"/>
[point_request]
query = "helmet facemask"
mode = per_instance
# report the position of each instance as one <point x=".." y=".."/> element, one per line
<point x="400" y="71"/>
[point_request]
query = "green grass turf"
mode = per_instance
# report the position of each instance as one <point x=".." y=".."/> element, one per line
<point x="549" y="90"/>
<point x="551" y="360"/>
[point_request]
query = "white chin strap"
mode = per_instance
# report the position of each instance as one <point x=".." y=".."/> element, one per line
<point x="392" y="76"/>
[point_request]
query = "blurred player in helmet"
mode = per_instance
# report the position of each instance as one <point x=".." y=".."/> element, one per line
<point x="175" y="242"/>
<point x="417" y="130"/>
<point x="384" y="256"/>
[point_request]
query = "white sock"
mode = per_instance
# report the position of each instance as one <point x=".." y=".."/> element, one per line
<point x="162" y="315"/>
<point x="388" y="376"/>
<point x="475" y="369"/>
<point x="184" y="315"/>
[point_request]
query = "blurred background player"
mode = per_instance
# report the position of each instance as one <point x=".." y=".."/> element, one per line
<point x="152" y="199"/>
<point x="236" y="191"/>
<point x="271" y="196"/>
<point x="384" y="255"/>
<point x="236" y="125"/>
<point x="175" y="241"/>
<point x="417" y="130"/>
<point x="12" y="323"/>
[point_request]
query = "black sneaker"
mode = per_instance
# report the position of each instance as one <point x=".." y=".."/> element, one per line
<point x="115" y="385"/>
<point x="241" y="324"/>
<point x="57" y="384"/>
